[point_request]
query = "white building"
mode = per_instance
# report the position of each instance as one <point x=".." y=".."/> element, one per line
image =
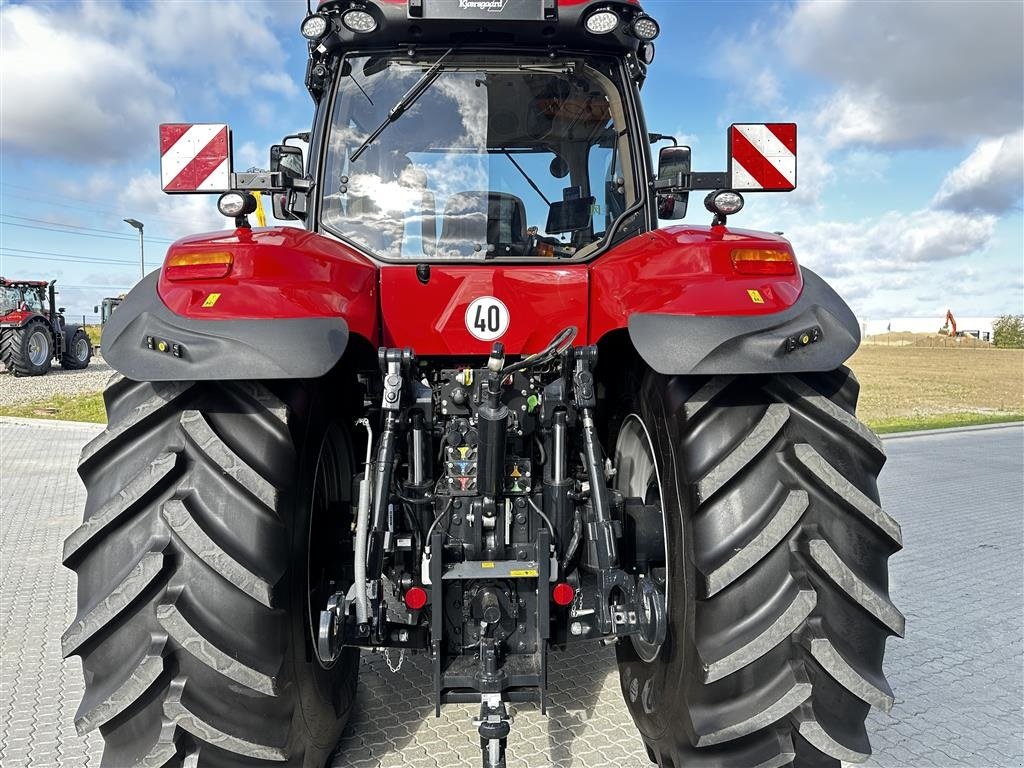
<point x="981" y="327"/>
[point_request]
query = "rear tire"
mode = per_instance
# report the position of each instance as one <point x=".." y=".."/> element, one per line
<point x="193" y="617"/>
<point x="79" y="352"/>
<point x="779" y="608"/>
<point x="27" y="351"/>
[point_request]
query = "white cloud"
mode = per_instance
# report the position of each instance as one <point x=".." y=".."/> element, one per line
<point x="896" y="242"/>
<point x="142" y="198"/>
<point x="277" y="83"/>
<point x="874" y="263"/>
<point x="912" y="73"/>
<point x="90" y="81"/>
<point x="990" y="179"/>
<point x="73" y="96"/>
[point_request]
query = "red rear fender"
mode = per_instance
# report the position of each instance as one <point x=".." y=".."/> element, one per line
<point x="686" y="271"/>
<point x="277" y="273"/>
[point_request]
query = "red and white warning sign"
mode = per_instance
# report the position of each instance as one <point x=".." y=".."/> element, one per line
<point x="762" y="156"/>
<point x="195" y="157"/>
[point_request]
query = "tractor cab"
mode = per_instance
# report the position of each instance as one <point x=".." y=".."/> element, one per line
<point x="469" y="131"/>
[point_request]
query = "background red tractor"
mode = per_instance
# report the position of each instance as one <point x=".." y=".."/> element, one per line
<point x="481" y="406"/>
<point x="33" y="331"/>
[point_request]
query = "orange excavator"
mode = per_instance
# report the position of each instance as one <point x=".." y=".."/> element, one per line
<point x="950" y="324"/>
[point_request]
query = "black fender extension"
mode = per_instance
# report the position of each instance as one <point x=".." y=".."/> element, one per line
<point x="302" y="348"/>
<point x="818" y="333"/>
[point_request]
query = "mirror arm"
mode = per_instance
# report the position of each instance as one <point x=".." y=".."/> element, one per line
<point x="686" y="182"/>
<point x="265" y="181"/>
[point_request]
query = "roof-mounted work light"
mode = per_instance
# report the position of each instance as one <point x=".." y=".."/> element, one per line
<point x="602" y="22"/>
<point x="358" y="20"/>
<point x="314" y="27"/>
<point x="645" y="28"/>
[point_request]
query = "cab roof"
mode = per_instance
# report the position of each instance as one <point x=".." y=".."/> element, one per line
<point x="6" y="283"/>
<point x="502" y="24"/>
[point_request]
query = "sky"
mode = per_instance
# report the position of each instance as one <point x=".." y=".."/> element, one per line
<point x="911" y="143"/>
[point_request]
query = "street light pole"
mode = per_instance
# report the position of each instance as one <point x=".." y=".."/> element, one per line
<point x="142" y="247"/>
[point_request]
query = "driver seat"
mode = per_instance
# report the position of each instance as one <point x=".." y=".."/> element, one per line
<point x="466" y="225"/>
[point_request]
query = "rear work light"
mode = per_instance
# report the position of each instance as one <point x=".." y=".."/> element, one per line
<point x="758" y="261"/>
<point x="198" y="266"/>
<point x="602" y="22"/>
<point x="359" y="21"/>
<point x="645" y="28"/>
<point x="314" y="27"/>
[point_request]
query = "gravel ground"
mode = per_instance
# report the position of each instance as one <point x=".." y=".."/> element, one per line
<point x="15" y="390"/>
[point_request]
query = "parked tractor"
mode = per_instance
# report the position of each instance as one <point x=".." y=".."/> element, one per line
<point x="33" y="331"/>
<point x="105" y="309"/>
<point x="481" y="407"/>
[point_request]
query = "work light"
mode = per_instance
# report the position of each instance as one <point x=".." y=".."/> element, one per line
<point x="359" y="21"/>
<point x="602" y="22"/>
<point x="235" y="204"/>
<point x="725" y="202"/>
<point x="645" y="28"/>
<point x="314" y="27"/>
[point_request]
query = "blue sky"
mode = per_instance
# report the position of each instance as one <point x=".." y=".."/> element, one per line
<point x="911" y="122"/>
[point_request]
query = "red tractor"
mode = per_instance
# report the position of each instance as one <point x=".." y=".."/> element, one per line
<point x="33" y="331"/>
<point x="481" y="406"/>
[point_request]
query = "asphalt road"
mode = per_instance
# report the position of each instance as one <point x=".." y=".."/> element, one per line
<point x="958" y="676"/>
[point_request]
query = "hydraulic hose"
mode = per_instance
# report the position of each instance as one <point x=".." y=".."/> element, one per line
<point x="362" y="530"/>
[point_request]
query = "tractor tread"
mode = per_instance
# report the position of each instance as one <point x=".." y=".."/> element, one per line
<point x="161" y="395"/>
<point x="762" y="716"/>
<point x="164" y="750"/>
<point x="826" y="558"/>
<point x="206" y="651"/>
<point x="226" y="461"/>
<point x="705" y="395"/>
<point x="118" y="599"/>
<point x="774" y="533"/>
<point x="134" y="491"/>
<point x="13" y="353"/>
<point x="187" y="720"/>
<point x="776" y="483"/>
<point x="780" y="630"/>
<point x="757" y="440"/>
<point x="812" y="731"/>
<point x="180" y="520"/>
<point x="830" y="477"/>
<point x="189" y="515"/>
<point x="141" y="679"/>
<point x="832" y="661"/>
<point x="825" y="407"/>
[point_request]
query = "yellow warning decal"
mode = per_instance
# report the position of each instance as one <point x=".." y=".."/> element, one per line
<point x="530" y="573"/>
<point x="487" y="564"/>
<point x="756" y="297"/>
<point x="211" y="300"/>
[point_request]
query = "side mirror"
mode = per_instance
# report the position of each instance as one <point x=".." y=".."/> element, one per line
<point x="287" y="161"/>
<point x="95" y="310"/>
<point x="281" y="210"/>
<point x="673" y="166"/>
<point x="61" y="310"/>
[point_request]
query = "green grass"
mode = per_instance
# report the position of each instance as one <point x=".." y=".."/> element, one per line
<point x="90" y="408"/>
<point x="968" y="419"/>
<point x="63" y="408"/>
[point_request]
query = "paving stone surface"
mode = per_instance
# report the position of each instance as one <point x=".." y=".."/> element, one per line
<point x="958" y="677"/>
